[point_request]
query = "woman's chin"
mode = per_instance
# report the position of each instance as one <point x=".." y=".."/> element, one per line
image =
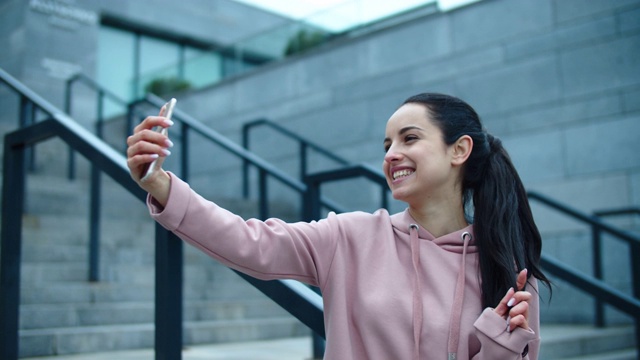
<point x="399" y="195"/>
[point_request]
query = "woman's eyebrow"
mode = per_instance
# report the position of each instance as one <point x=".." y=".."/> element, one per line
<point x="409" y="128"/>
<point x="402" y="131"/>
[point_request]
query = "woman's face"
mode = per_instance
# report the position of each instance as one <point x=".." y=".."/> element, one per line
<point x="417" y="163"/>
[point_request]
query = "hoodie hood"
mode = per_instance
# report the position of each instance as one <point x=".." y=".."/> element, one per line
<point x="453" y="242"/>
<point x="461" y="242"/>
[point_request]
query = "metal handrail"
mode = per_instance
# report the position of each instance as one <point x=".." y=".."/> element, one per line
<point x="101" y="94"/>
<point x="597" y="259"/>
<point x="303" y="145"/>
<point x="598" y="226"/>
<point x="299" y="300"/>
<point x="593" y="286"/>
<point x="618" y="211"/>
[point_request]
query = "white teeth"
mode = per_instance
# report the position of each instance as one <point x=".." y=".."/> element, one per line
<point x="402" y="173"/>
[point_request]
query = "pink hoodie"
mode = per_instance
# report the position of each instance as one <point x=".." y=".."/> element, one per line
<point x="390" y="289"/>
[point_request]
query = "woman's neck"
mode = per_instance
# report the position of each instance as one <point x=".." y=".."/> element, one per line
<point x="441" y="217"/>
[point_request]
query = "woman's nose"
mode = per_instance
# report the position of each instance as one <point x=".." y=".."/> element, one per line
<point x="392" y="155"/>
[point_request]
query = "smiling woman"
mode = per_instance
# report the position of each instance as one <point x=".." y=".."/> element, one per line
<point x="420" y="284"/>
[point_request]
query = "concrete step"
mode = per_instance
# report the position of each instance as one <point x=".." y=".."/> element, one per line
<point x="42" y="274"/>
<point x="578" y="341"/>
<point x="60" y="341"/>
<point x="629" y="354"/>
<point x="71" y="229"/>
<point x="84" y="292"/>
<point x="42" y="316"/>
<point x="48" y="194"/>
<point x="296" y="348"/>
<point x="89" y="292"/>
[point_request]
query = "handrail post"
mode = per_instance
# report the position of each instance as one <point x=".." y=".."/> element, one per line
<point x="184" y="156"/>
<point x="303" y="165"/>
<point x="168" y="295"/>
<point x="245" y="162"/>
<point x="100" y="113"/>
<point x="11" y="248"/>
<point x="635" y="268"/>
<point x="94" y="224"/>
<point x="596" y="243"/>
<point x="303" y="160"/>
<point x="263" y="195"/>
<point x="129" y="122"/>
<point x="95" y="205"/>
<point x="71" y="170"/>
<point x="635" y="282"/>
<point x="311" y="206"/>
<point x="26" y="119"/>
<point x="384" y="203"/>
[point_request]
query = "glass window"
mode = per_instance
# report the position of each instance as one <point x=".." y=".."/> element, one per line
<point x="201" y="67"/>
<point x="159" y="60"/>
<point x="130" y="63"/>
<point x="115" y="69"/>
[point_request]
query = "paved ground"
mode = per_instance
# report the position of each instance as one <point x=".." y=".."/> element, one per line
<point x="282" y="349"/>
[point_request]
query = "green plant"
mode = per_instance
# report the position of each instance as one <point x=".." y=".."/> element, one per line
<point x="304" y="40"/>
<point x="164" y="86"/>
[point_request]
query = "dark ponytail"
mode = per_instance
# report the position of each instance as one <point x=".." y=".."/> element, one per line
<point x="506" y="235"/>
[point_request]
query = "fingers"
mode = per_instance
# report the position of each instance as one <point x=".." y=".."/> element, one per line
<point x="521" y="280"/>
<point x="518" y="310"/>
<point x="150" y="122"/>
<point x="503" y="308"/>
<point x="518" y="316"/>
<point x="146" y="145"/>
<point x="514" y="306"/>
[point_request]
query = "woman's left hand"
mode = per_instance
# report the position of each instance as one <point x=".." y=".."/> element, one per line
<point x="514" y="306"/>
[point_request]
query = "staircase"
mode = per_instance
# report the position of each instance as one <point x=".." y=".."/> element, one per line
<point x="62" y="313"/>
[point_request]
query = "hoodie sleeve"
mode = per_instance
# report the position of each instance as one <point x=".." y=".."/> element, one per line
<point x="520" y="344"/>
<point x="267" y="250"/>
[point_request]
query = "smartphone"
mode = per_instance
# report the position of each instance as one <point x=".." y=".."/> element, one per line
<point x="157" y="163"/>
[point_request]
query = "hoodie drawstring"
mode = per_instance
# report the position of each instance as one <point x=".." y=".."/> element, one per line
<point x="458" y="298"/>
<point x="456" y="308"/>
<point x="417" y="290"/>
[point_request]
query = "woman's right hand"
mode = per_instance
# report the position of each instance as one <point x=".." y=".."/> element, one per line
<point x="514" y="307"/>
<point x="144" y="146"/>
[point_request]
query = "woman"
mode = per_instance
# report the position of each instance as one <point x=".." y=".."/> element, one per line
<point x="420" y="284"/>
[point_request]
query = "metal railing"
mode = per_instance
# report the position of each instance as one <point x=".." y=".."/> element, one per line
<point x="598" y="228"/>
<point x="634" y="250"/>
<point x="590" y="285"/>
<point x="303" y="149"/>
<point x="296" y="298"/>
<point x="304" y="145"/>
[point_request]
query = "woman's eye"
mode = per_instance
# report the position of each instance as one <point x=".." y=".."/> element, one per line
<point x="410" y="138"/>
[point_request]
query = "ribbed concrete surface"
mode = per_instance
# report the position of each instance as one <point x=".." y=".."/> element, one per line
<point x="558" y="342"/>
<point x="282" y="349"/>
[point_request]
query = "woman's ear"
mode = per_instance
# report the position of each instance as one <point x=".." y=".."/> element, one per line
<point x="461" y="150"/>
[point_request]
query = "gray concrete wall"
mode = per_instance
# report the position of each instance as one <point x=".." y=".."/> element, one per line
<point x="558" y="81"/>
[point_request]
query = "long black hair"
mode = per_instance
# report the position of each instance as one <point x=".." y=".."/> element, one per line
<point x="506" y="234"/>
